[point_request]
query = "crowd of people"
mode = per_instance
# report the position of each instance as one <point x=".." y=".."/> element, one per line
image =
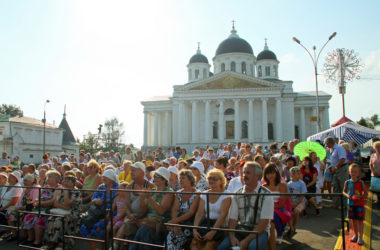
<point x="205" y="188"/>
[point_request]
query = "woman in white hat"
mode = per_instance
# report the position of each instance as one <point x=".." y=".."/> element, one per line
<point x="157" y="208"/>
<point x="198" y="171"/>
<point x="9" y="197"/>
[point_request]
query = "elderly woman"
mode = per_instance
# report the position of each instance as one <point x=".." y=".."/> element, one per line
<point x="126" y="174"/>
<point x="42" y="176"/>
<point x="98" y="206"/>
<point x="157" y="207"/>
<point x="36" y="224"/>
<point x="183" y="211"/>
<point x="219" y="206"/>
<point x="66" y="204"/>
<point x="9" y="198"/>
<point x="3" y="181"/>
<point x="198" y="171"/>
<point x="184" y="155"/>
<point x="92" y="181"/>
<point x="349" y="154"/>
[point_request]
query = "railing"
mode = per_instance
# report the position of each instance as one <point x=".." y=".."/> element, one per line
<point x="110" y="239"/>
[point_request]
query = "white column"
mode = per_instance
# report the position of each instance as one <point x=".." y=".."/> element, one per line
<point x="314" y="124"/>
<point x="194" y="121"/>
<point x="167" y="129"/>
<point x="250" y="120"/>
<point x="181" y="118"/>
<point x="207" y="122"/>
<point x="221" y="122"/>
<point x="155" y="143"/>
<point x="237" y="126"/>
<point x="302" y="123"/>
<point x="264" y="115"/>
<point x="326" y="118"/>
<point x="145" y="128"/>
<point x="278" y="120"/>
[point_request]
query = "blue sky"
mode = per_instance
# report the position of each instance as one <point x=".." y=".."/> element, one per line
<point x="102" y="58"/>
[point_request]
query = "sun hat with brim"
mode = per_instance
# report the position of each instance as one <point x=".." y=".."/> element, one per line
<point x="166" y="161"/>
<point x="196" y="150"/>
<point x="4" y="174"/>
<point x="110" y="174"/>
<point x="173" y="170"/>
<point x="139" y="165"/>
<point x="17" y="175"/>
<point x="198" y="165"/>
<point x="163" y="172"/>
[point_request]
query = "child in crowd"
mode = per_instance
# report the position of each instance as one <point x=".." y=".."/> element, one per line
<point x="356" y="193"/>
<point x="296" y="185"/>
<point x="119" y="205"/>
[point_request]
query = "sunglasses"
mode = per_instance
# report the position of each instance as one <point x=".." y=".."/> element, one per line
<point x="213" y="178"/>
<point x="158" y="176"/>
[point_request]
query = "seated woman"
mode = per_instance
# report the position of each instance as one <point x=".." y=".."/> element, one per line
<point x="183" y="211"/>
<point x="157" y="207"/>
<point x="198" y="171"/>
<point x="91" y="181"/>
<point x="282" y="215"/>
<point x="96" y="212"/>
<point x="9" y="197"/>
<point x="310" y="176"/>
<point x="66" y="204"/>
<point x="219" y="206"/>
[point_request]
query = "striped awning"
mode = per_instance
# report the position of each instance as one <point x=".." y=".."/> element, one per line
<point x="349" y="131"/>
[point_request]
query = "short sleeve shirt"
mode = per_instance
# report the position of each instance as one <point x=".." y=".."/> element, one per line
<point x="338" y="152"/>
<point x="297" y="187"/>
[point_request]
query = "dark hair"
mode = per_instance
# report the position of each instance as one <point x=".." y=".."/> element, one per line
<point x="45" y="156"/>
<point x="190" y="161"/>
<point x="291" y="158"/>
<point x="222" y="160"/>
<point x="269" y="169"/>
<point x="31" y="166"/>
<point x="310" y="163"/>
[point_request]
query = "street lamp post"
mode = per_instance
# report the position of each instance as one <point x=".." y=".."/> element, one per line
<point x="314" y="57"/>
<point x="44" y="121"/>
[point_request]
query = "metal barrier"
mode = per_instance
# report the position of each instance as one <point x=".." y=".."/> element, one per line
<point x="107" y="240"/>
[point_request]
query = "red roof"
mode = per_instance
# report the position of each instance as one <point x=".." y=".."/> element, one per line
<point x="341" y="121"/>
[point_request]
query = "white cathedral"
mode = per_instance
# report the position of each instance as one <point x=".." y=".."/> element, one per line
<point x="243" y="100"/>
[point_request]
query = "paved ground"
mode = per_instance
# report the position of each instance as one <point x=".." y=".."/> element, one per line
<point x="312" y="232"/>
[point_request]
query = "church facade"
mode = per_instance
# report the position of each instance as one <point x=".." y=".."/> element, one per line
<point x="242" y="100"/>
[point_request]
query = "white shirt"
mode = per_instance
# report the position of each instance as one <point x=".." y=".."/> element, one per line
<point x="215" y="207"/>
<point x="267" y="209"/>
<point x="234" y="185"/>
<point x="6" y="197"/>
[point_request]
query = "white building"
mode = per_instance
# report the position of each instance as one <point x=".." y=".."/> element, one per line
<point x="243" y="100"/>
<point x="23" y="137"/>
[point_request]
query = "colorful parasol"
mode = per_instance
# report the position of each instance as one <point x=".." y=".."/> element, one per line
<point x="304" y="149"/>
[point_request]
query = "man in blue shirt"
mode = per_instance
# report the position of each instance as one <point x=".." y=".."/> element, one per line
<point x="338" y="168"/>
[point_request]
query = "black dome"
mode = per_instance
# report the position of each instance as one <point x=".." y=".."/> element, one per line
<point x="266" y="54"/>
<point x="198" y="58"/>
<point x="234" y="44"/>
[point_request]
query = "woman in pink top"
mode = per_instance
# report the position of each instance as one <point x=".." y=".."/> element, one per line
<point x="374" y="163"/>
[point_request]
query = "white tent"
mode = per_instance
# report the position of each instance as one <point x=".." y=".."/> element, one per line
<point x="349" y="131"/>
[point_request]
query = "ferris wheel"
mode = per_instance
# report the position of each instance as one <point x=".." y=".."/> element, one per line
<point x="342" y="66"/>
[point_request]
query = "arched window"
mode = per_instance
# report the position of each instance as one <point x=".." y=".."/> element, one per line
<point x="215" y="130"/>
<point x="270" y="131"/>
<point x="229" y="112"/>
<point x="267" y="71"/>
<point x="204" y="73"/>
<point x="244" y="129"/>
<point x="243" y="68"/>
<point x="196" y="73"/>
<point x="251" y="68"/>
<point x="296" y="132"/>
<point x="223" y="67"/>
<point x="233" y="66"/>
<point x="259" y="71"/>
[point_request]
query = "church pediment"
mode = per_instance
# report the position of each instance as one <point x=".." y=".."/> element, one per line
<point x="230" y="80"/>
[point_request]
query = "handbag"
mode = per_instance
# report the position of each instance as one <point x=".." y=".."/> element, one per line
<point x="375" y="184"/>
<point x="60" y="211"/>
<point x="94" y="214"/>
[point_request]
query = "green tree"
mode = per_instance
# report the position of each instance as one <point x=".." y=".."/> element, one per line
<point x="90" y="143"/>
<point x="370" y="122"/>
<point x="11" y="110"/>
<point x="112" y="135"/>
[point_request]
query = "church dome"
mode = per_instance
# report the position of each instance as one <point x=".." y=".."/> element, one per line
<point x="266" y="54"/>
<point x="234" y="44"/>
<point x="198" y="58"/>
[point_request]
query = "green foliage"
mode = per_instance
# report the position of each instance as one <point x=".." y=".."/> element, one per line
<point x="370" y="122"/>
<point x="90" y="143"/>
<point x="11" y="110"/>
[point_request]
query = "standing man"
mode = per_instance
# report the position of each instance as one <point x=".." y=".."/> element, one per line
<point x="338" y="168"/>
<point x="160" y="155"/>
<point x="4" y="161"/>
<point x="128" y="156"/>
<point x="250" y="212"/>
